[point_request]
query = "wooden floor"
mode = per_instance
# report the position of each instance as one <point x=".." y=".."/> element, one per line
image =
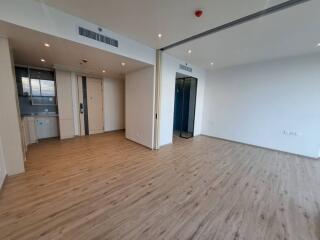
<point x="106" y="187"/>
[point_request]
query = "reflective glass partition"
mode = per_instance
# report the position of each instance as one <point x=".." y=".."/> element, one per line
<point x="184" y="109"/>
<point x="36" y="91"/>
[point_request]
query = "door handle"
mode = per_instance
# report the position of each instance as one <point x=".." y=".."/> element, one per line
<point x="81" y="108"/>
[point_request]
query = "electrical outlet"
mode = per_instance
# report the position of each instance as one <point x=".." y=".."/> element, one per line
<point x="285" y="132"/>
<point x="290" y="133"/>
<point x="293" y="133"/>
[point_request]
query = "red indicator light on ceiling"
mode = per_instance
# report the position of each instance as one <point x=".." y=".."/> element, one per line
<point x="198" y="13"/>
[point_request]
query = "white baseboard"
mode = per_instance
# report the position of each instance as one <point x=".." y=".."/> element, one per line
<point x="260" y="146"/>
<point x="2" y="180"/>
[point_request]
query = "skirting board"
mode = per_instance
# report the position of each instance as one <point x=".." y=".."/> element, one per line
<point x="116" y="130"/>
<point x="2" y="181"/>
<point x="252" y="145"/>
<point x="147" y="147"/>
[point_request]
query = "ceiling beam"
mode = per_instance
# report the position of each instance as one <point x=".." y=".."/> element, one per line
<point x="239" y="21"/>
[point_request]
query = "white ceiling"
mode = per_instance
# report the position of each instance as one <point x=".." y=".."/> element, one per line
<point x="142" y="20"/>
<point x="292" y="31"/>
<point x="28" y="48"/>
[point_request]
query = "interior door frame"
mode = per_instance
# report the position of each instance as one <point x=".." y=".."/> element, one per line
<point x="157" y="100"/>
<point x="195" y="105"/>
<point x="80" y="105"/>
<point x="82" y="111"/>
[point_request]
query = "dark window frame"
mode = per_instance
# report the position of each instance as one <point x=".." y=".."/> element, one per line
<point x="36" y="74"/>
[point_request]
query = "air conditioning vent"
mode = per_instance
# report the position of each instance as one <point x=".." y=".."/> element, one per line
<point x="186" y="68"/>
<point x="98" y="37"/>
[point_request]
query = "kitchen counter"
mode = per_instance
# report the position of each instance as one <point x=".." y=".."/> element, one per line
<point x="39" y="126"/>
<point x="40" y="115"/>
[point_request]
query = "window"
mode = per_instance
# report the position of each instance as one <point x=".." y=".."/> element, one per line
<point x="47" y="88"/>
<point x="42" y="88"/>
<point x="25" y="86"/>
<point x="35" y="87"/>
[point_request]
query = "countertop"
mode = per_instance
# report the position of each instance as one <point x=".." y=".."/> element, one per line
<point x="40" y="115"/>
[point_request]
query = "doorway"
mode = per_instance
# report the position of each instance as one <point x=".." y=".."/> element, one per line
<point x="90" y="105"/>
<point x="184" y="106"/>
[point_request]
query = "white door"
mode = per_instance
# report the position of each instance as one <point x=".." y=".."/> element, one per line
<point x="95" y="105"/>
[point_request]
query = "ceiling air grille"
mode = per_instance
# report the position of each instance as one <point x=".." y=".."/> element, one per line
<point x="186" y="68"/>
<point x="98" y="37"/>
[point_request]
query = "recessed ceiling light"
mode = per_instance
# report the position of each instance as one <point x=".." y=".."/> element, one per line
<point x="212" y="63"/>
<point x="123" y="64"/>
<point x="103" y="71"/>
<point x="318" y="45"/>
<point x="46" y="44"/>
<point x="42" y="60"/>
<point x="159" y="35"/>
<point x="189" y="51"/>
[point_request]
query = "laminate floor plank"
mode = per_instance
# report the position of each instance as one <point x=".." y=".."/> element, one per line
<point x="106" y="187"/>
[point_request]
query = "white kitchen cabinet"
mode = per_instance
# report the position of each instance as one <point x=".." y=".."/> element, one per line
<point x="46" y="127"/>
<point x="29" y="130"/>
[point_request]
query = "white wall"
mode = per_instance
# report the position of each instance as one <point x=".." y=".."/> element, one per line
<point x="139" y="106"/>
<point x="38" y="16"/>
<point x="113" y="100"/>
<point x="266" y="103"/>
<point x="170" y="66"/>
<point x="10" y="131"/>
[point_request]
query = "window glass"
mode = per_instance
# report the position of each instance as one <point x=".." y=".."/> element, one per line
<point x="47" y="88"/>
<point x="25" y="86"/>
<point x="35" y="86"/>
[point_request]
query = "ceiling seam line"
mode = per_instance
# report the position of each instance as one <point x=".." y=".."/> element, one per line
<point x="253" y="16"/>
